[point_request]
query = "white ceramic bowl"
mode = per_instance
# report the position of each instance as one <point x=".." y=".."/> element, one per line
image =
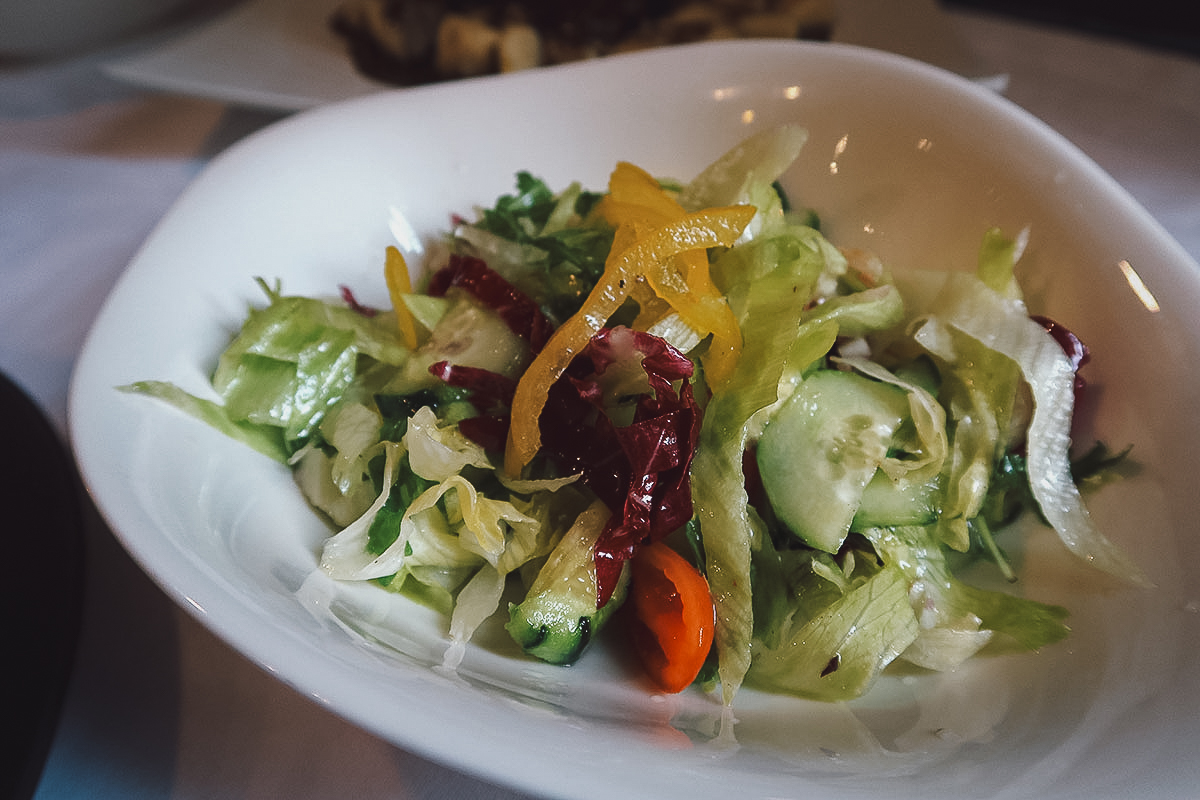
<point x="904" y="159"/>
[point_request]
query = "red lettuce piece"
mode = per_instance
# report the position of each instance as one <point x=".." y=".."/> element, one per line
<point x="350" y="300"/>
<point x="491" y="394"/>
<point x="519" y="312"/>
<point x="489" y="431"/>
<point x="489" y="390"/>
<point x="639" y="470"/>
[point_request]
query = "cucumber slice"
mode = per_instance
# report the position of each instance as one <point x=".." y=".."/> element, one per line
<point x="886" y="504"/>
<point x="821" y="449"/>
<point x="558" y="617"/>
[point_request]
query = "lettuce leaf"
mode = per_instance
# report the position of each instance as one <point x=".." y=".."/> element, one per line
<point x="266" y="439"/>
<point x="837" y="650"/>
<point x="968" y="308"/>
<point x="946" y="603"/>
<point x="546" y="244"/>
<point x="728" y="524"/>
<point x="290" y="363"/>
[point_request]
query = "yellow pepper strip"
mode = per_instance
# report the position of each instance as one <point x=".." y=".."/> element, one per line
<point x="633" y="219"/>
<point x="399" y="284"/>
<point x="652" y="309"/>
<point x="648" y="257"/>
<point x="636" y="198"/>
<point x="634" y="195"/>
<point x="630" y="185"/>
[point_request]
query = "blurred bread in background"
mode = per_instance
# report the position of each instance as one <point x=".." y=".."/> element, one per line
<point x="406" y="42"/>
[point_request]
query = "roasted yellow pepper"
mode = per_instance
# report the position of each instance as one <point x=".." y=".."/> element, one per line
<point x="636" y="200"/>
<point x="650" y="236"/>
<point x="399" y="284"/>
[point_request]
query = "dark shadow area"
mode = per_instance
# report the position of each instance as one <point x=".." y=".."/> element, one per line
<point x="1163" y="24"/>
<point x="119" y="725"/>
<point x="42" y="593"/>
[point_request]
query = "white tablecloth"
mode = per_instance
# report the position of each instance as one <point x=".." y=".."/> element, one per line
<point x="159" y="708"/>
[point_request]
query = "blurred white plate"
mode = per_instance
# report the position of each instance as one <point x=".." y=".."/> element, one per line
<point x="282" y="54"/>
<point x="904" y="159"/>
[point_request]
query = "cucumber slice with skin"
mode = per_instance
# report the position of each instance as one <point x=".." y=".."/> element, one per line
<point x="558" y="617"/>
<point x="822" y="447"/>
<point x="557" y="625"/>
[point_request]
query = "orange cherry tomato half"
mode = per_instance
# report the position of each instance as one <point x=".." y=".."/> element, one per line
<point x="674" y="617"/>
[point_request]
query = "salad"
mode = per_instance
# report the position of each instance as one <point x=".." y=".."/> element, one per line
<point x="678" y="411"/>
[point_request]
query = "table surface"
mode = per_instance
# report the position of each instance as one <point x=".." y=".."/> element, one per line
<point x="157" y="706"/>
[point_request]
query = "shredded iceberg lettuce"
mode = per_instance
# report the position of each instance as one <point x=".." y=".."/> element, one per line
<point x="1002" y="326"/>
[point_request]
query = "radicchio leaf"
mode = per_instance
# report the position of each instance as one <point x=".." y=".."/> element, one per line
<point x="491" y="394"/>
<point x="350" y="300"/>
<point x="518" y="311"/>
<point x="639" y="470"/>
